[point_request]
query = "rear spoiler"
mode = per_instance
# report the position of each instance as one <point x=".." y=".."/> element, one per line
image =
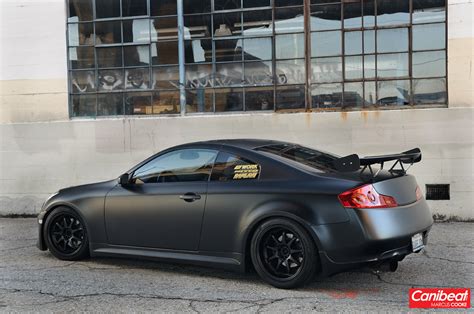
<point x="353" y="163"/>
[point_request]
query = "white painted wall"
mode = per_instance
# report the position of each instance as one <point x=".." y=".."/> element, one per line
<point x="39" y="158"/>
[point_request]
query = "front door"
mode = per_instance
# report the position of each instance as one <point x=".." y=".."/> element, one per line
<point x="163" y="205"/>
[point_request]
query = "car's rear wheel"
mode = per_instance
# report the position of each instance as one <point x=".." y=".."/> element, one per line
<point x="66" y="235"/>
<point x="283" y="253"/>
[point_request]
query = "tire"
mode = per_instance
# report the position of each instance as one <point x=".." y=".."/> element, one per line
<point x="283" y="253"/>
<point x="65" y="234"/>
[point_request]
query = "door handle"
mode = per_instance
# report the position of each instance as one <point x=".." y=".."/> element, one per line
<point x="190" y="197"/>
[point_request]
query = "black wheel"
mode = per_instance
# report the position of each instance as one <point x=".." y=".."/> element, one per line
<point x="66" y="235"/>
<point x="283" y="253"/>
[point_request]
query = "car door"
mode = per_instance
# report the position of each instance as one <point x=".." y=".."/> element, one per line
<point x="163" y="205"/>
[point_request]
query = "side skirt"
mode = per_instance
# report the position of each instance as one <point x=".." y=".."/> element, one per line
<point x="182" y="257"/>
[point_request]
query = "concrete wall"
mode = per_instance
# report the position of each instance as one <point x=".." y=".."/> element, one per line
<point x="41" y="150"/>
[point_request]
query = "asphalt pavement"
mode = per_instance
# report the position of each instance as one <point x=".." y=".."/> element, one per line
<point x="31" y="280"/>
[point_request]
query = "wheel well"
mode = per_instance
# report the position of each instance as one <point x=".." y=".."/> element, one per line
<point x="248" y="240"/>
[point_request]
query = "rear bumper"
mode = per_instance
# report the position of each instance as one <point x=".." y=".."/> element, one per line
<point x="372" y="236"/>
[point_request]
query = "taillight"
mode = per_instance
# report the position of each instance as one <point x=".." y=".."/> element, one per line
<point x="419" y="194"/>
<point x="366" y="197"/>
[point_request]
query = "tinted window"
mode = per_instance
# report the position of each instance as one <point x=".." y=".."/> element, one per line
<point x="184" y="165"/>
<point x="230" y="167"/>
<point x="307" y="156"/>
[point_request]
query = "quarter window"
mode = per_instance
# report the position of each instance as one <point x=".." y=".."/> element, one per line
<point x="229" y="167"/>
<point x="184" y="165"/>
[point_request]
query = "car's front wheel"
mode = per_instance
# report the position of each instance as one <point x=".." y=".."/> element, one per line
<point x="283" y="253"/>
<point x="66" y="235"/>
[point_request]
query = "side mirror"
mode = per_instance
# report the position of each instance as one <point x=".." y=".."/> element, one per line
<point x="124" y="179"/>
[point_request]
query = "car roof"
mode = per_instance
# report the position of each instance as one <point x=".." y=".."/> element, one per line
<point x="243" y="143"/>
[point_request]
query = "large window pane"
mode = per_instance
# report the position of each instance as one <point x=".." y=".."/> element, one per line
<point x="393" y="93"/>
<point x="326" y="96"/>
<point x="83" y="81"/>
<point x="257" y="23"/>
<point x="197" y="26"/>
<point x="289" y="46"/>
<point x="164" y="28"/>
<point x="369" y="13"/>
<point x="80" y="10"/>
<point x="326" y="69"/>
<point x="259" y="98"/>
<point x="228" y="74"/>
<point x="427" y="11"/>
<point x="256" y="3"/>
<point x="289" y="20"/>
<point x="107" y="8"/>
<point x="199" y="76"/>
<point x="198" y="50"/>
<point x="81" y="58"/>
<point x="258" y="73"/>
<point x="136" y="31"/>
<point x="353" y="95"/>
<point x="165" y="102"/>
<point x="108" y="33"/>
<point x="110" y="80"/>
<point x="353" y="67"/>
<point x="136" y="55"/>
<point x="432" y="91"/>
<point x="290" y="97"/>
<point x="369" y="66"/>
<point x="370" y="94"/>
<point x="226" y="5"/>
<point x="391" y="12"/>
<point x="83" y="105"/>
<point x="228" y="50"/>
<point x="429" y="64"/>
<point x="138" y="103"/>
<point x="352" y="14"/>
<point x="353" y="43"/>
<point x="167" y="52"/>
<point x="325" y="17"/>
<point x="199" y="100"/>
<point x="109" y="57"/>
<point x="326" y="44"/>
<point x="193" y="6"/>
<point x="430" y="36"/>
<point x="80" y="34"/>
<point x="257" y="48"/>
<point x="369" y="41"/>
<point x="229" y="99"/>
<point x="392" y="65"/>
<point x="290" y="72"/>
<point x="392" y="40"/>
<point x="227" y="24"/>
<point x="166" y="77"/>
<point x="110" y="104"/>
<point x="137" y="78"/>
<point x="134" y="7"/>
<point x="168" y="7"/>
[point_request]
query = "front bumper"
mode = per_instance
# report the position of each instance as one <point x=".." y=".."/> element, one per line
<point x="372" y="236"/>
<point x="40" y="243"/>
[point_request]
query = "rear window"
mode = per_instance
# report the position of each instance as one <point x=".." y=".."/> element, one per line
<point x="304" y="155"/>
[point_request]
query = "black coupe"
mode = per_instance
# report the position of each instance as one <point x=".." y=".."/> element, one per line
<point x="288" y="211"/>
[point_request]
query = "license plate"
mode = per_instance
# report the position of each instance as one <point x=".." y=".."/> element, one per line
<point x="417" y="242"/>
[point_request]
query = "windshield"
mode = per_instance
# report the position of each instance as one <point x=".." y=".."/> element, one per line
<point x="304" y="155"/>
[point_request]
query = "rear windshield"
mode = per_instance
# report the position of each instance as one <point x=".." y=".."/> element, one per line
<point x="306" y="156"/>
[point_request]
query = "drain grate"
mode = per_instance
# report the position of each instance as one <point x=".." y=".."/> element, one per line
<point x="437" y="192"/>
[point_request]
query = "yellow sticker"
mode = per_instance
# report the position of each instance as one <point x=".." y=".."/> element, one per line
<point x="245" y="172"/>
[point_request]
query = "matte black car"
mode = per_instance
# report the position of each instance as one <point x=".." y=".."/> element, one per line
<point x="288" y="211"/>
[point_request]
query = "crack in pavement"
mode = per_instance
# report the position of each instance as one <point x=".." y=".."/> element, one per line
<point x="425" y="253"/>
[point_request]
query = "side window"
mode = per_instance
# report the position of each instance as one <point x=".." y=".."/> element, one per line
<point x="230" y="167"/>
<point x="185" y="165"/>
